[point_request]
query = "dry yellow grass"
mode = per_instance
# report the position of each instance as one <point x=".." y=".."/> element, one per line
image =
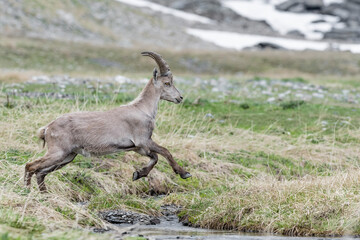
<point x="224" y="193"/>
<point x="296" y="198"/>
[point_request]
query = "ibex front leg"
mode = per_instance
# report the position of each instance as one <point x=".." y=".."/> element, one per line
<point x="154" y="147"/>
<point x="145" y="170"/>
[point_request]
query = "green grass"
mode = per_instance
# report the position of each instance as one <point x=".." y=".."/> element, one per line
<point x="253" y="163"/>
<point x="289" y="118"/>
<point x="53" y="56"/>
<point x="287" y="166"/>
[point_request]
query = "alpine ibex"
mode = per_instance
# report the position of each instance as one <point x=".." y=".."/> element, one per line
<point x="125" y="128"/>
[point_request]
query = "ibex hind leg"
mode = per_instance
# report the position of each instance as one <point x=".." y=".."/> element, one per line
<point x="41" y="173"/>
<point x="41" y="167"/>
<point x="31" y="168"/>
<point x="27" y="177"/>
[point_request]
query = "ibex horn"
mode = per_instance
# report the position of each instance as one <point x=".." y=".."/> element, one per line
<point x="163" y="66"/>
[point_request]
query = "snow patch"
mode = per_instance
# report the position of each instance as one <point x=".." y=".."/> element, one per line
<point x="174" y="12"/>
<point x="283" y="22"/>
<point x="328" y="2"/>
<point x="240" y="41"/>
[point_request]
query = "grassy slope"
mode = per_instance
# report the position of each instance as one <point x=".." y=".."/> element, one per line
<point x="76" y="58"/>
<point x="249" y="173"/>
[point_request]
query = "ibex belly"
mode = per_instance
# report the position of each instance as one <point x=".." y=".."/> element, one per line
<point x="106" y="148"/>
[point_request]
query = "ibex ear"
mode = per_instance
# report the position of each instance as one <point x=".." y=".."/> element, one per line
<point x="155" y="74"/>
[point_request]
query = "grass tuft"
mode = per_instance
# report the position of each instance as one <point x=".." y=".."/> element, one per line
<point x="259" y="165"/>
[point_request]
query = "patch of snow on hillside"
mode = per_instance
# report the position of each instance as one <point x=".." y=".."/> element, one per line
<point x="240" y="41"/>
<point x="328" y="2"/>
<point x="174" y="12"/>
<point x="283" y="22"/>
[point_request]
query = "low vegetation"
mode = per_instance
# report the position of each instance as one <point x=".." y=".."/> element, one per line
<point x="261" y="161"/>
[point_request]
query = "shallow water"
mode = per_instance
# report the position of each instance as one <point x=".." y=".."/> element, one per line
<point x="171" y="228"/>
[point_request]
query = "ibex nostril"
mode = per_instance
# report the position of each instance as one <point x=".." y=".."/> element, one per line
<point x="181" y="97"/>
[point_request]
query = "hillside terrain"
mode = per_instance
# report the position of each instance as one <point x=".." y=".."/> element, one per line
<point x="270" y="135"/>
<point x="95" y="22"/>
<point x="170" y="24"/>
<point x="254" y="126"/>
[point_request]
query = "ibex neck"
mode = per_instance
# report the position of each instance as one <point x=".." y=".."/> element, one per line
<point x="148" y="99"/>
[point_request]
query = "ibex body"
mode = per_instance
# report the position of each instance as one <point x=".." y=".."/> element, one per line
<point x="126" y="128"/>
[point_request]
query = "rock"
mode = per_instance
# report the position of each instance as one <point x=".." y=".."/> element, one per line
<point x="314" y="5"/>
<point x="337" y="10"/>
<point x="347" y="11"/>
<point x="300" y="5"/>
<point x="101" y="230"/>
<point x="353" y="24"/>
<point x="209" y="115"/>
<point x="110" y="21"/>
<point x="354" y="1"/>
<point x="298" y="8"/>
<point x="267" y="45"/>
<point x="295" y="33"/>
<point x="352" y="6"/>
<point x="215" y="10"/>
<point x="319" y="21"/>
<point x="344" y="34"/>
<point x="123" y="217"/>
<point x="270" y="100"/>
<point x="287" y="5"/>
<point x="208" y="8"/>
<point x="170" y="209"/>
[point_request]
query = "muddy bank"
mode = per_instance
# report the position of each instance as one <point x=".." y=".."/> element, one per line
<point x="166" y="226"/>
<point x="121" y="217"/>
<point x="169" y="226"/>
<point x="129" y="217"/>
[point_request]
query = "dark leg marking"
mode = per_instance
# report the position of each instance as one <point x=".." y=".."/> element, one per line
<point x="165" y="153"/>
<point x="41" y="167"/>
<point x="145" y="170"/>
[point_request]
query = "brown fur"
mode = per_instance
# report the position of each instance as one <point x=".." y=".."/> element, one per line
<point x="41" y="135"/>
<point x="125" y="128"/>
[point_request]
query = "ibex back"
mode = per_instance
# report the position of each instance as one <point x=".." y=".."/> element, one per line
<point x="125" y="128"/>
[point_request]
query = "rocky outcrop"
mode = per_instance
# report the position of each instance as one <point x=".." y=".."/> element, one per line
<point x="301" y="6"/>
<point x="295" y="34"/>
<point x="100" y="22"/>
<point x="347" y="11"/>
<point x="209" y="8"/>
<point x="226" y="18"/>
<point x="349" y="14"/>
<point x="266" y="46"/>
<point x="346" y="34"/>
<point x="128" y="217"/>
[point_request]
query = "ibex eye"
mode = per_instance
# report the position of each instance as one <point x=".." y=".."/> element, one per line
<point x="167" y="84"/>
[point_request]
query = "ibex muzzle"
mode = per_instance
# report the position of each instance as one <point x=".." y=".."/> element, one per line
<point x="125" y="128"/>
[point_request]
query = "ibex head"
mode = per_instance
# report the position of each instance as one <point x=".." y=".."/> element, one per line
<point x="164" y="79"/>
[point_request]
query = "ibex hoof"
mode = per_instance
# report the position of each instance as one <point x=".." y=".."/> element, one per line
<point x="185" y="175"/>
<point x="136" y="176"/>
